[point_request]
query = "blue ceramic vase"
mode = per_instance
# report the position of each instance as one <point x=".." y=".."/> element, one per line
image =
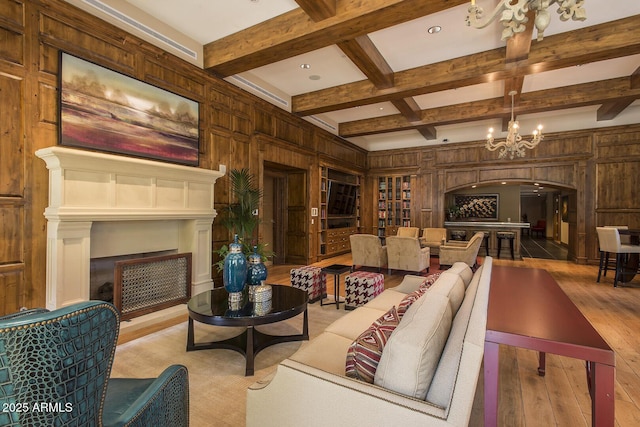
<point x="234" y="272"/>
<point x="256" y="272"/>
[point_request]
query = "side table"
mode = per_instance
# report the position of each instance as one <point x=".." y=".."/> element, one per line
<point x="336" y="270"/>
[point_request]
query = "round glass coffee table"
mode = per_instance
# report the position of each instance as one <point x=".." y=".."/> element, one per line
<point x="213" y="308"/>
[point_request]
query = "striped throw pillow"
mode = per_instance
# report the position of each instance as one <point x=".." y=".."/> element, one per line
<point x="413" y="296"/>
<point x="364" y="353"/>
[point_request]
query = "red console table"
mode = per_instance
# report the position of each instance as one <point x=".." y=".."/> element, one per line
<point x="528" y="309"/>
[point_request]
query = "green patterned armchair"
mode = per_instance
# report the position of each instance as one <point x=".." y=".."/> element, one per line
<point x="55" y="371"/>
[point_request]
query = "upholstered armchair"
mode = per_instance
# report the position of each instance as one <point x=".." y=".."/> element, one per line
<point x="61" y="361"/>
<point x="433" y="238"/>
<point x="408" y="232"/>
<point x="367" y="251"/>
<point x="466" y="252"/>
<point x="405" y="253"/>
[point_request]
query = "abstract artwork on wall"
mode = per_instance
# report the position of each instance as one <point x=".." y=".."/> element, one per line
<point x="477" y="206"/>
<point x="104" y="110"/>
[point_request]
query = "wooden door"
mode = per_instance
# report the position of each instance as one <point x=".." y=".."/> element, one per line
<point x="296" y="235"/>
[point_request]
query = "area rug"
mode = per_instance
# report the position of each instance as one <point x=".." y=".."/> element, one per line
<point x="217" y="385"/>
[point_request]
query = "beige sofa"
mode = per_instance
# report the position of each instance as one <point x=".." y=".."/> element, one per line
<point x="428" y="371"/>
<point x="367" y="251"/>
<point x="467" y="252"/>
<point x="405" y="254"/>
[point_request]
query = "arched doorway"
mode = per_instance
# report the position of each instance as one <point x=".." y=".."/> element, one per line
<point x="535" y="203"/>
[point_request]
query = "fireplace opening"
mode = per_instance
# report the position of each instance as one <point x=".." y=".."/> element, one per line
<point x="142" y="283"/>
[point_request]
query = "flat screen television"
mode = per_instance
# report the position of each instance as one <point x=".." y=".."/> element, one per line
<point x="341" y="200"/>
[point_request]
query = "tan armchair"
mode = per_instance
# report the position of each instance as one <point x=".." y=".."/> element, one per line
<point x="405" y="253"/>
<point x="408" y="232"/>
<point x="466" y="252"/>
<point x="433" y="238"/>
<point x="367" y="251"/>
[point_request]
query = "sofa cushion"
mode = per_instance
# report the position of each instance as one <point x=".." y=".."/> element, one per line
<point x="409" y="284"/>
<point x="352" y="324"/>
<point x="463" y="270"/>
<point x="386" y="299"/>
<point x="314" y="353"/>
<point x="364" y="354"/>
<point x="410" y="358"/>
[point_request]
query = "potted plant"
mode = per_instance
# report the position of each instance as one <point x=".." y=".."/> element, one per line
<point x="241" y="217"/>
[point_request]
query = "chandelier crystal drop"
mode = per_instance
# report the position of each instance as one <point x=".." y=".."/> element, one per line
<point x="514" y="15"/>
<point x="514" y="145"/>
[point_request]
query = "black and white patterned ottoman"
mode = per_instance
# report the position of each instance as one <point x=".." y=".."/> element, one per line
<point x="361" y="287"/>
<point x="310" y="279"/>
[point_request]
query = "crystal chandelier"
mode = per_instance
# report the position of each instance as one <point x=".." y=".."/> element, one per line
<point x="514" y="16"/>
<point x="514" y="145"/>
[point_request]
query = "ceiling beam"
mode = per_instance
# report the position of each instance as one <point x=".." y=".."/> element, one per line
<point x="318" y="9"/>
<point x="581" y="95"/>
<point x="599" y="42"/>
<point x="428" y="132"/>
<point x="294" y="32"/>
<point x="611" y="110"/>
<point x="366" y="56"/>
<point x="409" y="108"/>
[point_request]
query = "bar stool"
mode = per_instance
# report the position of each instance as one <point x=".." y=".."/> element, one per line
<point x="485" y="240"/>
<point x="506" y="235"/>
<point x="458" y="234"/>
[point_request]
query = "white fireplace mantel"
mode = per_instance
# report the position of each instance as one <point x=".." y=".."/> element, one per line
<point x="176" y="202"/>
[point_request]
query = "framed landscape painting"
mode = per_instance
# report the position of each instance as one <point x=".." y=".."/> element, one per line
<point x="104" y="110"/>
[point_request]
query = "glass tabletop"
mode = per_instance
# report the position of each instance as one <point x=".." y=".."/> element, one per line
<point x="213" y="307"/>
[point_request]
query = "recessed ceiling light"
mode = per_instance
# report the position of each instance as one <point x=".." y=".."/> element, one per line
<point x="314" y="77"/>
<point x="434" y="30"/>
<point x="473" y="186"/>
<point x="305" y="66"/>
<point x="503" y="182"/>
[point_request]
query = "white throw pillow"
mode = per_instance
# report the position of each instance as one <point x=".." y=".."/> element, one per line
<point x="411" y="356"/>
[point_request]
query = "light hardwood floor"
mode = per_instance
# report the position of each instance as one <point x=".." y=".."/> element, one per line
<point x="561" y="397"/>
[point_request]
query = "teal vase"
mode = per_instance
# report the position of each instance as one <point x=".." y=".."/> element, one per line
<point x="256" y="272"/>
<point x="234" y="272"/>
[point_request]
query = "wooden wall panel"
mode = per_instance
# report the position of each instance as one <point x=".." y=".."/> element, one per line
<point x="497" y="174"/>
<point x="612" y="193"/>
<point x="11" y="46"/>
<point x="456" y="154"/>
<point x="12" y="12"/>
<point x="562" y="175"/>
<point x="263" y="122"/>
<point x="619" y="145"/>
<point x="86" y="44"/>
<point x="174" y="80"/>
<point x="459" y="178"/>
<point x="556" y="147"/>
<point x="11" y="232"/>
<point x="11" y="291"/>
<point x="11" y="141"/>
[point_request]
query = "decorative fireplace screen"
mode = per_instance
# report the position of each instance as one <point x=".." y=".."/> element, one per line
<point x="143" y="285"/>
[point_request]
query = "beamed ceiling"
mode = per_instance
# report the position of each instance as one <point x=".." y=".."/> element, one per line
<point x="377" y="78"/>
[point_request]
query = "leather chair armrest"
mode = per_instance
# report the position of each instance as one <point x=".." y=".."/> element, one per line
<point x="162" y="401"/>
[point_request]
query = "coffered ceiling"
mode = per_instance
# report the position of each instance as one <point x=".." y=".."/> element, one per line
<point x="371" y="72"/>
